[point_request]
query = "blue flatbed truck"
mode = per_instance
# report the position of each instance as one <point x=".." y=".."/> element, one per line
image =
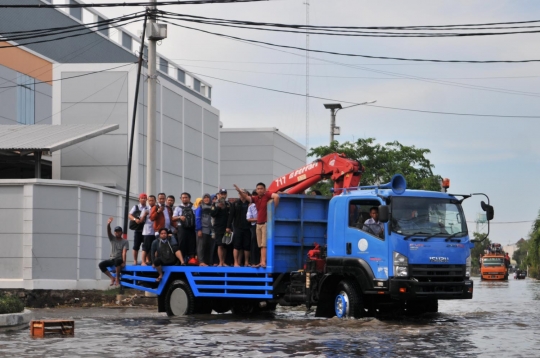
<point x="423" y="256"/>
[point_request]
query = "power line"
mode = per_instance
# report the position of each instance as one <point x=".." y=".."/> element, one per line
<point x="368" y="105"/>
<point x="126" y="4"/>
<point x="350" y="54"/>
<point x="355" y="77"/>
<point x="333" y="30"/>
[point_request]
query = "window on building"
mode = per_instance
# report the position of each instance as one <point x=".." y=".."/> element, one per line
<point x="127" y="41"/>
<point x="25" y="99"/>
<point x="209" y="92"/>
<point x="181" y="76"/>
<point x="104" y="29"/>
<point x="163" y="65"/>
<point x="76" y="12"/>
<point x="196" y="85"/>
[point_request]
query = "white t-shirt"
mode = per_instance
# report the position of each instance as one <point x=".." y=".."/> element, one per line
<point x="252" y="213"/>
<point x="148" y="224"/>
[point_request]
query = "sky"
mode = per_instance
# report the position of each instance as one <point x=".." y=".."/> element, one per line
<point x="496" y="156"/>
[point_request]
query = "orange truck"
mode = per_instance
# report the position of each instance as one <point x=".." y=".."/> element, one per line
<point x="494" y="266"/>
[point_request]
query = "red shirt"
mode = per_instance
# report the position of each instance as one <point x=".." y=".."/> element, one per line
<point x="260" y="203"/>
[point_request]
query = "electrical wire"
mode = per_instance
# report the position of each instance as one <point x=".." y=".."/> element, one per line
<point x="125" y="4"/>
<point x="349" y="54"/>
<point x="87" y="32"/>
<point x="367" y="105"/>
<point x="327" y="30"/>
<point x="355" y="77"/>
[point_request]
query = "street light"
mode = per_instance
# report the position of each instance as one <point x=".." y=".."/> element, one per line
<point x="334" y="108"/>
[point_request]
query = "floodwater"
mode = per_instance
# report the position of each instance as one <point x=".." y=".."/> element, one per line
<point x="502" y="320"/>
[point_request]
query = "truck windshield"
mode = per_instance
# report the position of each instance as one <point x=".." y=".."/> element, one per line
<point x="428" y="216"/>
<point x="492" y="261"/>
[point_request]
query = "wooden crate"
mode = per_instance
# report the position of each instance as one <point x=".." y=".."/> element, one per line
<point x="54" y="326"/>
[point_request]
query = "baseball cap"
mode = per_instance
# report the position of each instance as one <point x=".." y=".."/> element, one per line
<point x="118" y="228"/>
<point x="223" y="191"/>
<point x="143" y="196"/>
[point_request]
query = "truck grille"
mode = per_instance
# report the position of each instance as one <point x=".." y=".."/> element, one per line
<point x="438" y="273"/>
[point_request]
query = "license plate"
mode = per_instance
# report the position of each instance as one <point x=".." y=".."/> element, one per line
<point x="493" y="276"/>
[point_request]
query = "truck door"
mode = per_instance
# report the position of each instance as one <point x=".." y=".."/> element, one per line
<point x="365" y="236"/>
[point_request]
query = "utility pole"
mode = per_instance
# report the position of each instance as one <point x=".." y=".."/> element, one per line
<point x="307" y="75"/>
<point x="151" y="105"/>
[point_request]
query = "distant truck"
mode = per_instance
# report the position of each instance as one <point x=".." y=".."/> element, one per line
<point x="320" y="254"/>
<point x="494" y="265"/>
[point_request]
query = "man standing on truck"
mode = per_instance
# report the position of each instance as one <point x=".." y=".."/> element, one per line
<point x="242" y="230"/>
<point x="260" y="200"/>
<point x="373" y="225"/>
<point x="185" y="217"/>
<point x="203" y="223"/>
<point x="220" y="213"/>
<point x="138" y="214"/>
<point x="119" y="247"/>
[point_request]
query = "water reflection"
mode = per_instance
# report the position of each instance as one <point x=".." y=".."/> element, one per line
<point x="501" y="320"/>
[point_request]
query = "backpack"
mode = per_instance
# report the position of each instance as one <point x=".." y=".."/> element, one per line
<point x="187" y="212"/>
<point x="132" y="224"/>
<point x="166" y="254"/>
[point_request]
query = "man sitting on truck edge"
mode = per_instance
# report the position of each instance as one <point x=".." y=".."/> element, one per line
<point x="119" y="247"/>
<point x="260" y="200"/>
<point x="167" y="254"/>
<point x="373" y="225"/>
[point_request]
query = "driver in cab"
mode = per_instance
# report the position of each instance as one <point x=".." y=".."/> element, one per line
<point x="373" y="225"/>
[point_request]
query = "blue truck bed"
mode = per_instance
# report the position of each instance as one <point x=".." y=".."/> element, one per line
<point x="298" y="222"/>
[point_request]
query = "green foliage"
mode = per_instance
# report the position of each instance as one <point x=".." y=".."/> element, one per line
<point x="381" y="162"/>
<point x="10" y="304"/>
<point x="520" y="255"/>
<point x="533" y="258"/>
<point x="478" y="249"/>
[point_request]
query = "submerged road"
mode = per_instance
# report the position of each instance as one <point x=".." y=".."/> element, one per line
<point x="502" y="320"/>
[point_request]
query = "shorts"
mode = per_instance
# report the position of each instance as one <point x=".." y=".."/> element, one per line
<point x="104" y="265"/>
<point x="219" y="237"/>
<point x="138" y="239"/>
<point x="242" y="239"/>
<point x="147" y="242"/>
<point x="261" y="235"/>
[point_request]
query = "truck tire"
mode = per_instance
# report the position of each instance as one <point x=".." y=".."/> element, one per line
<point x="179" y="300"/>
<point x="348" y="300"/>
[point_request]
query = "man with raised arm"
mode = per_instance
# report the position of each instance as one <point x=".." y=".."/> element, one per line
<point x="260" y="200"/>
<point x="119" y="247"/>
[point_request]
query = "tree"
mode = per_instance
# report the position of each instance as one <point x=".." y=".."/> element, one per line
<point x="381" y="162"/>
<point x="520" y="255"/>
<point x="478" y="250"/>
<point x="533" y="257"/>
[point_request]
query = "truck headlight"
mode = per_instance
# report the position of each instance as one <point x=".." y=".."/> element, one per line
<point x="468" y="267"/>
<point x="401" y="265"/>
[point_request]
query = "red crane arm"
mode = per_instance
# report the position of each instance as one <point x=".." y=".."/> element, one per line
<point x="343" y="171"/>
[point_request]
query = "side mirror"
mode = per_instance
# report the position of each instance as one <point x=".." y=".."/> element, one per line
<point x="384" y="213"/>
<point x="488" y="209"/>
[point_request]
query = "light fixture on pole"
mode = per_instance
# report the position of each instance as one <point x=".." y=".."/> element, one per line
<point x="334" y="108"/>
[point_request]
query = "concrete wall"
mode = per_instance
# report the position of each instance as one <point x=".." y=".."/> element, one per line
<point x="187" y="132"/>
<point x="252" y="155"/>
<point x="54" y="233"/>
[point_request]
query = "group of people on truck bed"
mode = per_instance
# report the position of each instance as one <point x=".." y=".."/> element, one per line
<point x="200" y="233"/>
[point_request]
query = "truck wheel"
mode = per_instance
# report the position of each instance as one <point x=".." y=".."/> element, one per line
<point x="244" y="308"/>
<point x="348" y="300"/>
<point x="179" y="300"/>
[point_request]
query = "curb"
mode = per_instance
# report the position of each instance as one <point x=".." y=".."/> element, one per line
<point x="13" y="321"/>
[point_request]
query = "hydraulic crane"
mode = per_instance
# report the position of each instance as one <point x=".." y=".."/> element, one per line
<point x="344" y="172"/>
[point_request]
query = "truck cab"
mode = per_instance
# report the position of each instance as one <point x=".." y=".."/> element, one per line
<point x="422" y="253"/>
